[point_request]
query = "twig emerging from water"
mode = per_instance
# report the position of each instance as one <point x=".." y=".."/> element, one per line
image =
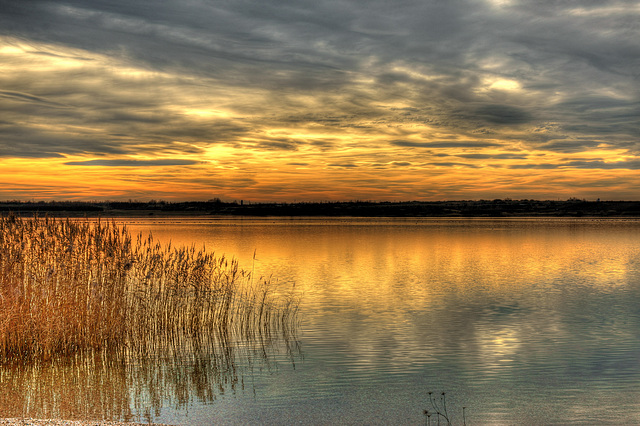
<point x="438" y="408"/>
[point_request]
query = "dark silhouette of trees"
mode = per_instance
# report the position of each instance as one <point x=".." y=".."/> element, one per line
<point x="572" y="207"/>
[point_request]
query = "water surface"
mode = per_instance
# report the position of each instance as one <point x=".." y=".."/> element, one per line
<point x="523" y="321"/>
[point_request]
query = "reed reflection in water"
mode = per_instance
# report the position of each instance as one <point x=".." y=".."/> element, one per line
<point x="170" y="372"/>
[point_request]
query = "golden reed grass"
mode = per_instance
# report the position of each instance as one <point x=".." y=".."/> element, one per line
<point x="68" y="286"/>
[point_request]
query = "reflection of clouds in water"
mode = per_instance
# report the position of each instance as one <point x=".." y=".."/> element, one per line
<point x="418" y="291"/>
<point x="497" y="347"/>
<point x="502" y="300"/>
<point x="499" y="336"/>
<point x="501" y="310"/>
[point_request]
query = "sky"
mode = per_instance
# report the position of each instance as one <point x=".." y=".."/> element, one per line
<point x="319" y="100"/>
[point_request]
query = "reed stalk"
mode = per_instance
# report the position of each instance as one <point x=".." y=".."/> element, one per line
<point x="69" y="286"/>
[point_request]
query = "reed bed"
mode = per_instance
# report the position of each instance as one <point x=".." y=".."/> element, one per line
<point x="70" y="286"/>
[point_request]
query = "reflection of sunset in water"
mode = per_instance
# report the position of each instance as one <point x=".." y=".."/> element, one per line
<point x="496" y="312"/>
<point x="495" y="254"/>
<point x="378" y="264"/>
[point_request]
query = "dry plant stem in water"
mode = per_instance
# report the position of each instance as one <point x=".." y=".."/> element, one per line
<point x="68" y="286"/>
<point x="438" y="411"/>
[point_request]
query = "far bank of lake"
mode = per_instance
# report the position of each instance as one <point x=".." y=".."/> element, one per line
<point x="572" y="207"/>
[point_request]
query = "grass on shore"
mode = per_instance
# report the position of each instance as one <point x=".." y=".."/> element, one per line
<point x="68" y="286"/>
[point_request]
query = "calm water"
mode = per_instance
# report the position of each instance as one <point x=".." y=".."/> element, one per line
<point x="521" y="321"/>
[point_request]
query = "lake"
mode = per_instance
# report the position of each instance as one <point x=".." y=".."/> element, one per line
<point x="521" y="321"/>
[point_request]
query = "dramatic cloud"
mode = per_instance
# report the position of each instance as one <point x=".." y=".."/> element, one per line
<point x="132" y="163"/>
<point x="502" y="114"/>
<point x="322" y="99"/>
<point x="439" y="144"/>
<point x="631" y="165"/>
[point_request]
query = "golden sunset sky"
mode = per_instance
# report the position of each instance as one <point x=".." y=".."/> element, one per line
<point x="315" y="100"/>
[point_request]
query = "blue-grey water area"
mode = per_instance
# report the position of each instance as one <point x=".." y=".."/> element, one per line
<point x="521" y="321"/>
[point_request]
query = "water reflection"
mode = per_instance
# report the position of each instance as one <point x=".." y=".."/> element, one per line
<point x="522" y="321"/>
<point x="169" y="371"/>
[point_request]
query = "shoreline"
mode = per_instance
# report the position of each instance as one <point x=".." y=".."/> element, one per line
<point x="464" y="208"/>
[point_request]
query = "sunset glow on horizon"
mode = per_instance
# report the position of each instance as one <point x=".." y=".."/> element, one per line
<point x="318" y="101"/>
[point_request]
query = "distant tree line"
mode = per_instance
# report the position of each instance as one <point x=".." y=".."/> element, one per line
<point x="572" y="207"/>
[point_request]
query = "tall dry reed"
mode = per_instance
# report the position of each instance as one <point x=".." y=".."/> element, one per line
<point x="67" y="286"/>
